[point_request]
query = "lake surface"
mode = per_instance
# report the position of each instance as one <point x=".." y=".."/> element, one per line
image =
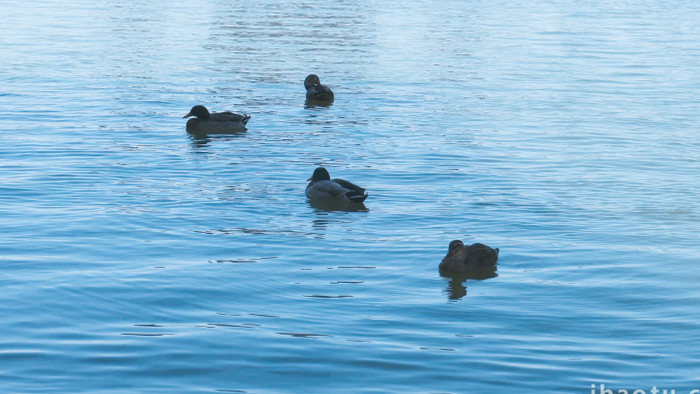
<point x="135" y="257"/>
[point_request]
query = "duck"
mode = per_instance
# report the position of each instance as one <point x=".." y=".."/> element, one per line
<point x="316" y="92"/>
<point x="475" y="257"/>
<point x="324" y="189"/>
<point x="215" y="123"/>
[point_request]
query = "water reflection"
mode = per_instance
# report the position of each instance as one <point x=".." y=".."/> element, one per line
<point x="455" y="287"/>
<point x="201" y="140"/>
<point x="328" y="215"/>
<point x="308" y="104"/>
<point x="321" y="224"/>
<point x="333" y="206"/>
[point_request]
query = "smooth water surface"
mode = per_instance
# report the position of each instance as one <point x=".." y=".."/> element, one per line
<point x="137" y="258"/>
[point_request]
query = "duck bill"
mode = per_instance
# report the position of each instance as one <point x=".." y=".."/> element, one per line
<point x="188" y="115"/>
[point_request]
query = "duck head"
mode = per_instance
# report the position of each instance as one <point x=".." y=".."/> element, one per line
<point x="311" y="80"/>
<point x="455" y="252"/>
<point x="200" y="111"/>
<point x="320" y="174"/>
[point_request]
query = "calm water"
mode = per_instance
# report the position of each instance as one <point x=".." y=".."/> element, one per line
<point x="137" y="258"/>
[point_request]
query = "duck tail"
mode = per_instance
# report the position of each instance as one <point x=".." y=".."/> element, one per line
<point x="356" y="197"/>
<point x="245" y="119"/>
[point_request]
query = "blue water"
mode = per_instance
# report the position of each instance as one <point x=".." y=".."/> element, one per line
<point x="137" y="258"/>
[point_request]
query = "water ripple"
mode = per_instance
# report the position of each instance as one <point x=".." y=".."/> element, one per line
<point x="160" y="261"/>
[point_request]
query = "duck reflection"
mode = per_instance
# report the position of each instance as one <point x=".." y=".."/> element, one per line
<point x="308" y="104"/>
<point x="334" y="206"/>
<point x="202" y="140"/>
<point x="320" y="224"/>
<point x="330" y="215"/>
<point x="456" y="288"/>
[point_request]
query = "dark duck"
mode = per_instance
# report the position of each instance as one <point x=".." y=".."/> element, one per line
<point x="216" y="122"/>
<point x="315" y="92"/>
<point x="472" y="258"/>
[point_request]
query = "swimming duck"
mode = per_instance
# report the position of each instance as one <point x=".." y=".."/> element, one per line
<point x="323" y="188"/>
<point x="315" y="91"/>
<point x="470" y="258"/>
<point x="217" y="122"/>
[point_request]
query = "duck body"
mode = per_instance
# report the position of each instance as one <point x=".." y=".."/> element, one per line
<point x="324" y="189"/>
<point x="315" y="92"/>
<point x="475" y="257"/>
<point x="216" y="122"/>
